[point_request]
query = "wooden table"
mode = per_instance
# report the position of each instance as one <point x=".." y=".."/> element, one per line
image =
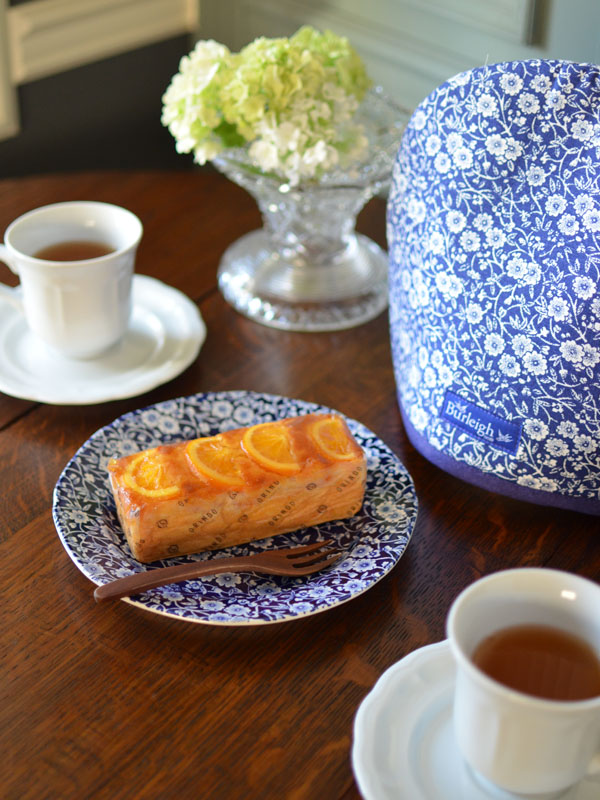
<point x="114" y="702"/>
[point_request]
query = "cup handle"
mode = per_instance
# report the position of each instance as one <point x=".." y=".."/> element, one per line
<point x="12" y="296"/>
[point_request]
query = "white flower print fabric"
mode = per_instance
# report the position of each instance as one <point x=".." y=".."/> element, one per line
<point x="494" y="241"/>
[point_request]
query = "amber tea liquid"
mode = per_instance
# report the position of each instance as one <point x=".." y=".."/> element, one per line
<point x="542" y="661"/>
<point x="74" y="251"/>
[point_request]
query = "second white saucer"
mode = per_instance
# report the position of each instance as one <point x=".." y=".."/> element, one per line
<point x="404" y="747"/>
<point x="164" y="337"/>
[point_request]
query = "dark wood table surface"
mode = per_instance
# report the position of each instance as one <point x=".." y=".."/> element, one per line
<point x="114" y="702"/>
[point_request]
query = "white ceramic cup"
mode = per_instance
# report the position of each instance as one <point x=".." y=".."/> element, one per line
<point x="523" y="744"/>
<point x="77" y="308"/>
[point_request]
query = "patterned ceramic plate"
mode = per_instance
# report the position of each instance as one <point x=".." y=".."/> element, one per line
<point x="372" y="541"/>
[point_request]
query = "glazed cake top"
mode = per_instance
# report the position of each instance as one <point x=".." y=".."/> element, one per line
<point x="243" y="458"/>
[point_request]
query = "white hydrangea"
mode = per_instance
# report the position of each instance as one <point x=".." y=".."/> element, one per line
<point x="290" y="100"/>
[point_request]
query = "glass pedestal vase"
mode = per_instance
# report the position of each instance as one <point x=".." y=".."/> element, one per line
<point x="307" y="269"/>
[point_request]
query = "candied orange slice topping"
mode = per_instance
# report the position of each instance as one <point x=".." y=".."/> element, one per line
<point x="330" y="436"/>
<point x="270" y="445"/>
<point x="148" y="474"/>
<point x="213" y="457"/>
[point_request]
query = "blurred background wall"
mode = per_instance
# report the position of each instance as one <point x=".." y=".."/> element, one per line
<point x="81" y="81"/>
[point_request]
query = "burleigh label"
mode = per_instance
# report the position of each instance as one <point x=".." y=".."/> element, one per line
<point x="480" y="423"/>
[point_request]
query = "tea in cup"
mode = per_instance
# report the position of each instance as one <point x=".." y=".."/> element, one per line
<point x="526" y="643"/>
<point x="75" y="261"/>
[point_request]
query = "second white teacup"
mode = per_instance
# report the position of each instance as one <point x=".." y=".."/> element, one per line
<point x="528" y="745"/>
<point x="79" y="308"/>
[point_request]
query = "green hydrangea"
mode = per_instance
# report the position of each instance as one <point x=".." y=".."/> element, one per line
<point x="291" y="99"/>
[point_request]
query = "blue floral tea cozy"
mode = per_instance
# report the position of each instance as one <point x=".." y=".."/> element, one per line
<point x="494" y="240"/>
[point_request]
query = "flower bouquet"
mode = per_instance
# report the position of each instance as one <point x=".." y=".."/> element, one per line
<point x="291" y="100"/>
<point x="296" y="122"/>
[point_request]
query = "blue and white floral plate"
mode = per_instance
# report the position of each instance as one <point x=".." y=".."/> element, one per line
<point x="372" y="541"/>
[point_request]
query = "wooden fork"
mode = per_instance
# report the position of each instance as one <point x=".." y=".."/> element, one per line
<point x="303" y="560"/>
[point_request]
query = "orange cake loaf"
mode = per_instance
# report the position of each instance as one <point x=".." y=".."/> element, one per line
<point x="238" y="486"/>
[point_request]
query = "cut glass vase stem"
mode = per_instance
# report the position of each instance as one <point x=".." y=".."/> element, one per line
<point x="307" y="269"/>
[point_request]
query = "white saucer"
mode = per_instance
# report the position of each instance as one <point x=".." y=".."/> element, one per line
<point x="164" y="337"/>
<point x="404" y="746"/>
